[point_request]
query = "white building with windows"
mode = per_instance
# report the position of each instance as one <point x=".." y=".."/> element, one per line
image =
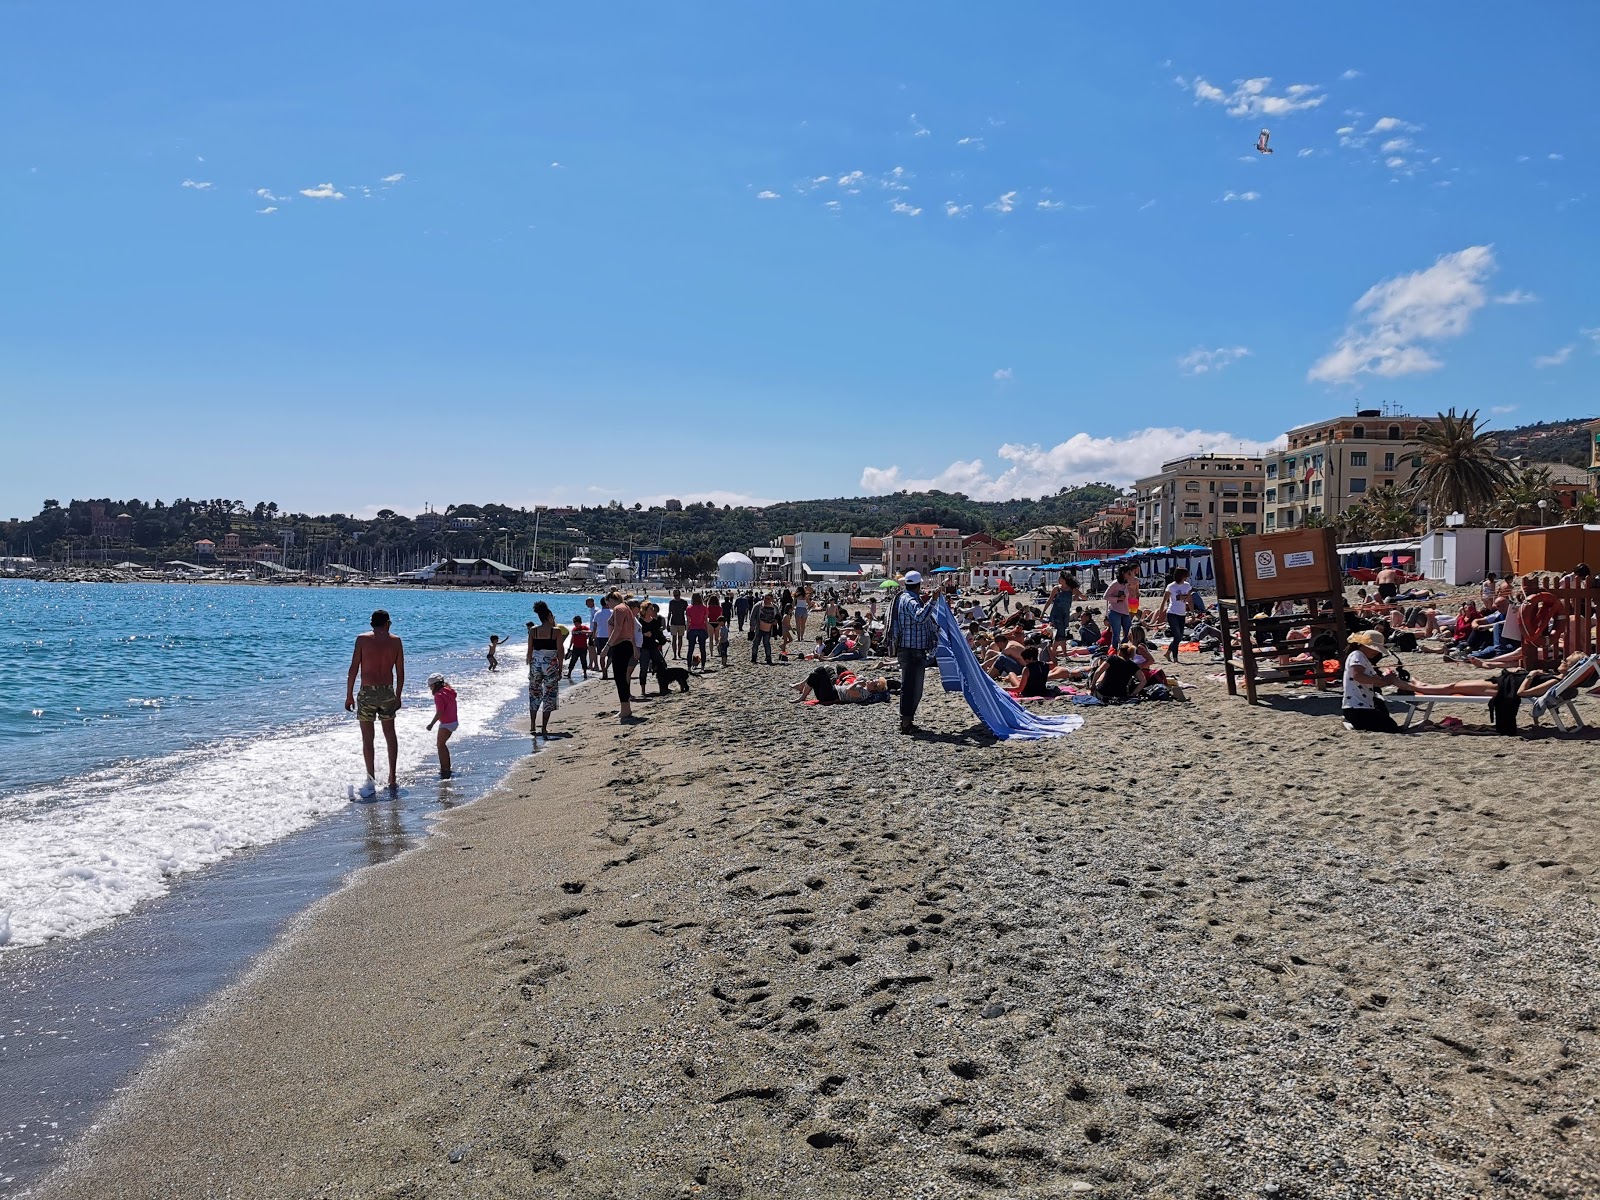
<point x="820" y="556"/>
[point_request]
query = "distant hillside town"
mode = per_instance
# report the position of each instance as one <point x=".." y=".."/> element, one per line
<point x="1362" y="474"/>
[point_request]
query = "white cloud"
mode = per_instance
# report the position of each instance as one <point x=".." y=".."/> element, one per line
<point x="1201" y="361"/>
<point x="391" y="180"/>
<point x="895" y="180"/>
<point x="323" y="191"/>
<point x="197" y="184"/>
<point x="1390" y="124"/>
<point x="1556" y="359"/>
<point x="1594" y="336"/>
<point x="1051" y="204"/>
<point x="1395" y="320"/>
<point x="851" y="179"/>
<point x="1003" y="374"/>
<point x="1147" y="204"/>
<point x="1304" y="152"/>
<point x="1516" y="296"/>
<point x="1396" y="145"/>
<point x="1005" y="204"/>
<point x="1503" y="410"/>
<point x="920" y="129"/>
<point x="1252" y="97"/>
<point x="1229" y="197"/>
<point x="832" y="205"/>
<point x="820" y="179"/>
<point x="1394" y="164"/>
<point x="767" y="196"/>
<point x="266" y="194"/>
<point x="268" y="210"/>
<point x="904" y="209"/>
<point x="975" y="142"/>
<point x="1035" y="470"/>
<point x="557" y="166"/>
<point x="952" y="209"/>
<point x="1352" y="73"/>
<point x="1556" y="157"/>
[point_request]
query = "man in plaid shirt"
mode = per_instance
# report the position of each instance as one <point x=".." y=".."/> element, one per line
<point x="912" y="636"/>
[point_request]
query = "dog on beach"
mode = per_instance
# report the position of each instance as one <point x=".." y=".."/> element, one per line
<point x="673" y="675"/>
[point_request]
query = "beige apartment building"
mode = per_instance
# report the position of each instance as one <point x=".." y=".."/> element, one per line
<point x="1196" y="497"/>
<point x="1329" y="465"/>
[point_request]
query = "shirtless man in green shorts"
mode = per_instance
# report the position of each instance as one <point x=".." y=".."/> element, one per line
<point x="381" y="661"/>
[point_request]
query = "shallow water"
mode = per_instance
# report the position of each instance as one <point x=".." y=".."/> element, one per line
<point x="151" y="730"/>
<point x="176" y="775"/>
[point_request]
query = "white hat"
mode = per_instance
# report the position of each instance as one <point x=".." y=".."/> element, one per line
<point x="435" y="679"/>
<point x="913" y="578"/>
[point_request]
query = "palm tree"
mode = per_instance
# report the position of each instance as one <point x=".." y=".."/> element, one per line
<point x="1519" y="502"/>
<point x="1116" y="535"/>
<point x="1585" y="510"/>
<point x="1459" y="470"/>
<point x="1060" y="544"/>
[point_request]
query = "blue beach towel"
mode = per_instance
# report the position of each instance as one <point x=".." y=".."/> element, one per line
<point x="1005" y="718"/>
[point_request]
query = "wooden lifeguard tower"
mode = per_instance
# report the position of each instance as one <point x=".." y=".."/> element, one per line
<point x="1259" y="570"/>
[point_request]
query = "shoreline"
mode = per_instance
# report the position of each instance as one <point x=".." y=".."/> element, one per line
<point x="751" y="948"/>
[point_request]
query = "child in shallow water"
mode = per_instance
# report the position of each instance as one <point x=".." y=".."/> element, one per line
<point x="444" y="715"/>
<point x="495" y="642"/>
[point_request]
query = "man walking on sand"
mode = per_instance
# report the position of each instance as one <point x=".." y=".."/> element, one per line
<point x="380" y="660"/>
<point x="912" y="634"/>
<point x="764" y="618"/>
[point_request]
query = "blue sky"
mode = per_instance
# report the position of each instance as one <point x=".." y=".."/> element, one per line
<point x="362" y="255"/>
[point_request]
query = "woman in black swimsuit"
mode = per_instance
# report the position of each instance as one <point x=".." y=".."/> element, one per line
<point x="544" y="668"/>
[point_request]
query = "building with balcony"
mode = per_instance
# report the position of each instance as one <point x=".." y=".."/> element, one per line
<point x="1197" y="497"/>
<point x="1327" y="466"/>
<point x="921" y="547"/>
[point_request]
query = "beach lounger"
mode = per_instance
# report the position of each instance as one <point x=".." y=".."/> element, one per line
<point x="1424" y="705"/>
<point x="1563" y="695"/>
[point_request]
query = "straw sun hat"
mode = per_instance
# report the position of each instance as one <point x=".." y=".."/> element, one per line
<point x="1372" y="639"/>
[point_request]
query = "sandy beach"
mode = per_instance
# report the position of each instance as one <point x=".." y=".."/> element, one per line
<point x="751" y="949"/>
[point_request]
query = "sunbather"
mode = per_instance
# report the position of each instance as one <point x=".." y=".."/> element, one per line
<point x="822" y="684"/>
<point x="1532" y="683"/>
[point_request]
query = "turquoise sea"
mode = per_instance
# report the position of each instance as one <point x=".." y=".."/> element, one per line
<point x="150" y="730"/>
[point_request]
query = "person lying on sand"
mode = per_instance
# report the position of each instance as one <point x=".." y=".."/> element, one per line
<point x="822" y="684"/>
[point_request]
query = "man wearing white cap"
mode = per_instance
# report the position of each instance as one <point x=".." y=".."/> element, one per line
<point x="912" y="634"/>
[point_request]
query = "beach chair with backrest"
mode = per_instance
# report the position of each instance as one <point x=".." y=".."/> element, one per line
<point x="1563" y="694"/>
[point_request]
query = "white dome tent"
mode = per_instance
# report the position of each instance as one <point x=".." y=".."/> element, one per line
<point x="735" y="571"/>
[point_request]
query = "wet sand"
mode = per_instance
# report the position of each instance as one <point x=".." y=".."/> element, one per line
<point x="752" y="949"/>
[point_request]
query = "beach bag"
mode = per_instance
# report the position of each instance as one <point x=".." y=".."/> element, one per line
<point x="1405" y="640"/>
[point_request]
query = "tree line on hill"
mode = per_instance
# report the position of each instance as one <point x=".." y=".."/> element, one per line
<point x="697" y="532"/>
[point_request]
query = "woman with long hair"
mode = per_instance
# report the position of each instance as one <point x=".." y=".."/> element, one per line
<point x="545" y="657"/>
<point x="653" y="626"/>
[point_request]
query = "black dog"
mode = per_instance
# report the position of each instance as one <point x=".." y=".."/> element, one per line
<point x="677" y="675"/>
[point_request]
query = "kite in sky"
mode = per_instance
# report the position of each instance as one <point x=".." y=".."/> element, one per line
<point x="1261" y="142"/>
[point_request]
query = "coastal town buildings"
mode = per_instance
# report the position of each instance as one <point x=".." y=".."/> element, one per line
<point x="980" y="548"/>
<point x="867" y="554"/>
<point x="1326" y="466"/>
<point x="1197" y="497"/>
<point x="1097" y="533"/>
<point x="1046" y="542"/>
<point x="921" y="547"/>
